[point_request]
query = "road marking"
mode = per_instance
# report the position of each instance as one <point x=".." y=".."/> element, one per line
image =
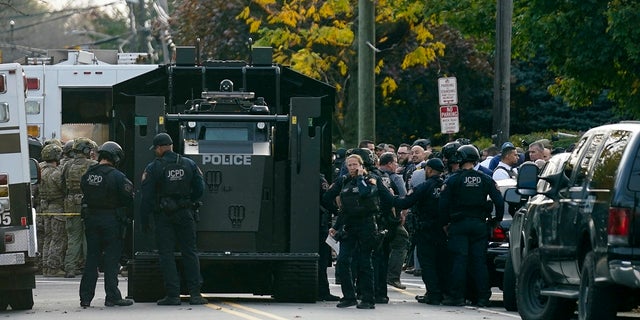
<point x="243" y="314"/>
<point x="230" y="311"/>
<point x="256" y="311"/>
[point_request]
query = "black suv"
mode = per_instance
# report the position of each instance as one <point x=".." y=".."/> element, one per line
<point x="578" y="235"/>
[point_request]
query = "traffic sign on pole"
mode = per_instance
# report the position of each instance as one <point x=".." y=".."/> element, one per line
<point x="448" y="91"/>
<point x="449" y="119"/>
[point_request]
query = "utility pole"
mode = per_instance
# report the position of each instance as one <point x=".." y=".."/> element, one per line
<point x="502" y="81"/>
<point x="366" y="64"/>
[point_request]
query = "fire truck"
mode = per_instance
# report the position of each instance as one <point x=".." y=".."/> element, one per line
<point x="69" y="91"/>
<point x="18" y="245"/>
<point x="261" y="134"/>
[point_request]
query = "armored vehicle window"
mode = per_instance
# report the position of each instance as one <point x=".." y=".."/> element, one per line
<point x="226" y="134"/>
<point x="606" y="165"/>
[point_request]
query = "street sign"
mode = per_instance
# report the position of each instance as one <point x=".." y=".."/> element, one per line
<point x="449" y="120"/>
<point x="448" y="91"/>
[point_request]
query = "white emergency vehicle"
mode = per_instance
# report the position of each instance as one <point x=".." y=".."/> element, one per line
<point x="18" y="236"/>
<point x="69" y="92"/>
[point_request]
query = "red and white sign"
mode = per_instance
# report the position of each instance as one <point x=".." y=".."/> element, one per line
<point x="449" y="119"/>
<point x="448" y="91"/>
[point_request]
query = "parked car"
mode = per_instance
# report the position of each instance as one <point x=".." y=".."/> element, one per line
<point x="577" y="239"/>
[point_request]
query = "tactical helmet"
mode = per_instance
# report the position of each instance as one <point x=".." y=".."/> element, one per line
<point x="112" y="150"/>
<point x="368" y="157"/>
<point x="67" y="148"/>
<point x="57" y="142"/>
<point x="449" y="151"/>
<point x="83" y="146"/>
<point x="468" y="153"/>
<point x="51" y="152"/>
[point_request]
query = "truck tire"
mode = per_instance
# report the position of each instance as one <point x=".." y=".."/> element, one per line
<point x="20" y="299"/>
<point x="296" y="281"/>
<point x="532" y="305"/>
<point x="509" y="286"/>
<point x="596" y="302"/>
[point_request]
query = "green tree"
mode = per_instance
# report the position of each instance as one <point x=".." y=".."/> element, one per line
<point x="593" y="48"/>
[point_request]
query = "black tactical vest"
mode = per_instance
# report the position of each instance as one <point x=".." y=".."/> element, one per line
<point x="176" y="179"/>
<point x="100" y="189"/>
<point x="356" y="206"/>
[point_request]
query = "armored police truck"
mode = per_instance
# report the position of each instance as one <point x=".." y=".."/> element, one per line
<point x="261" y="134"/>
<point x="18" y="237"/>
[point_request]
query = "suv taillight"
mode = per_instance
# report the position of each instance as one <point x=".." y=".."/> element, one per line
<point x="618" y="226"/>
<point x="498" y="234"/>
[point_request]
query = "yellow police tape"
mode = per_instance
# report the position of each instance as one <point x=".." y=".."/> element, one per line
<point x="68" y="214"/>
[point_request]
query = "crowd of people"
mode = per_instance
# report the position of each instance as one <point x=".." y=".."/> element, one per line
<point x="421" y="209"/>
<point x="415" y="208"/>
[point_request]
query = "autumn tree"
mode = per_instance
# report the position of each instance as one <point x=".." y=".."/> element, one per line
<point x="318" y="38"/>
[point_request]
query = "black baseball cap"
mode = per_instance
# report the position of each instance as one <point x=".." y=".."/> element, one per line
<point x="435" y="164"/>
<point x="161" y="139"/>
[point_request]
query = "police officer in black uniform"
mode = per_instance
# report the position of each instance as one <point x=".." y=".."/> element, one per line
<point x="107" y="196"/>
<point x="463" y="207"/>
<point x="170" y="186"/>
<point x="429" y="237"/>
<point x="361" y="196"/>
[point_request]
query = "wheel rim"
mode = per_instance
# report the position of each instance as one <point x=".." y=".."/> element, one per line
<point x="536" y="284"/>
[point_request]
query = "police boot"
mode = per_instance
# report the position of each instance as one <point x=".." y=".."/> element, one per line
<point x="169" y="301"/>
<point x="197" y="299"/>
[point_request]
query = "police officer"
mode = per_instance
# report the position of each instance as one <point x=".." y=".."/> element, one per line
<point x="170" y="185"/>
<point x="67" y="152"/>
<point x="463" y="206"/>
<point x="360" y="197"/>
<point x="429" y="237"/>
<point x="107" y="196"/>
<point x="51" y="197"/>
<point x="71" y="177"/>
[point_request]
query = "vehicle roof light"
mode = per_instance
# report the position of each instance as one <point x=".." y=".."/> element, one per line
<point x="3" y="83"/>
<point x="23" y="221"/>
<point x="4" y="191"/>
<point x="4" y="179"/>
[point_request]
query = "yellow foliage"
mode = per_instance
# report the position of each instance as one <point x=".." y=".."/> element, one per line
<point x="422" y="33"/>
<point x="388" y="86"/>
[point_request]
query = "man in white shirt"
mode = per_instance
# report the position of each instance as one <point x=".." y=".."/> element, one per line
<point x="506" y="168"/>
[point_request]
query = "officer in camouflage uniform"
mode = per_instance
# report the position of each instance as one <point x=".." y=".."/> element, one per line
<point x="71" y="175"/>
<point x="67" y="152"/>
<point x="51" y="195"/>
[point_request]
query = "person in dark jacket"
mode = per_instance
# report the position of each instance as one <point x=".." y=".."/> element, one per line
<point x="107" y="196"/>
<point x="361" y="195"/>
<point x="429" y="237"/>
<point x="170" y="186"/>
<point x="464" y="212"/>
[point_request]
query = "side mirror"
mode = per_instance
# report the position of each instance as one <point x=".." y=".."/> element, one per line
<point x="528" y="179"/>
<point x="34" y="171"/>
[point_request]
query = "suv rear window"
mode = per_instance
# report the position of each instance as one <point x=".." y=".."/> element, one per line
<point x="634" y="183"/>
<point x="605" y="167"/>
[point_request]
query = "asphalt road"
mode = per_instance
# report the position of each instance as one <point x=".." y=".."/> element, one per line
<point x="57" y="299"/>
